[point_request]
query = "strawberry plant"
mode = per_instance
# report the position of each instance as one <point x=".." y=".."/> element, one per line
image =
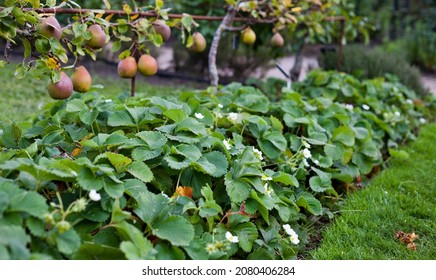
<point x="207" y="175"/>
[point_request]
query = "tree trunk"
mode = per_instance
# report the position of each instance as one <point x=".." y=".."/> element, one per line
<point x="225" y="23"/>
<point x="296" y="70"/>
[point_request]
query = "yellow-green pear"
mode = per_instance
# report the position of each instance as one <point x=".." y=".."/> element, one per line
<point x="147" y="65"/>
<point x="277" y="40"/>
<point x="248" y="36"/>
<point x="98" y="37"/>
<point x="62" y="89"/>
<point x="127" y="67"/>
<point x="81" y="79"/>
<point x="199" y="43"/>
<point x="49" y="27"/>
<point x="160" y="27"/>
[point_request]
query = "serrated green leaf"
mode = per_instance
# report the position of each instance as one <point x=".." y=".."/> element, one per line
<point x="11" y="135"/>
<point x="176" y="115"/>
<point x="88" y="116"/>
<point x="119" y="161"/>
<point x="371" y="150"/>
<point x="247" y="234"/>
<point x="53" y="138"/>
<point x="168" y="252"/>
<point x="29" y="202"/>
<point x="145" y="153"/>
<point x="197" y="249"/>
<point x="76" y="105"/>
<point x="191" y="125"/>
<point x="361" y="132"/>
<point x="151" y="206"/>
<point x="364" y="164"/>
<point x="309" y="202"/>
<point x="134" y="187"/>
<point x="16" y="239"/>
<point x="113" y="189"/>
<point x="176" y="229"/>
<point x="121" y="118"/>
<point x="276" y="123"/>
<point x="317" y="138"/>
<point x="68" y="242"/>
<point x="319" y="185"/>
<point x="118" y="215"/>
<point x="344" y="135"/>
<point x="215" y="159"/>
<point x="286" y="179"/>
<point x="88" y="181"/>
<point x="273" y="144"/>
<point x="141" y="171"/>
<point x="115" y="139"/>
<point x="154" y="139"/>
<point x="95" y="213"/>
<point x="334" y="151"/>
<point x="237" y="190"/>
<point x="136" y="246"/>
<point x="188" y="151"/>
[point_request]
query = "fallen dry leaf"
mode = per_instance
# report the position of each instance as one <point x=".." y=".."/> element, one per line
<point x="407" y="239"/>
<point x="184" y="191"/>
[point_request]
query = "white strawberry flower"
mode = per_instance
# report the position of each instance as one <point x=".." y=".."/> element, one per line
<point x="293" y="235"/>
<point x="232" y="238"/>
<point x="305" y="144"/>
<point x="227" y="144"/>
<point x="306" y="153"/>
<point x="233" y="116"/>
<point x="199" y="116"/>
<point x="289" y="230"/>
<point x="258" y="154"/>
<point x="349" y="107"/>
<point x="294" y="239"/>
<point x="220" y="106"/>
<point x="211" y="248"/>
<point x="365" y="107"/>
<point x="268" y="190"/>
<point x="94" y="195"/>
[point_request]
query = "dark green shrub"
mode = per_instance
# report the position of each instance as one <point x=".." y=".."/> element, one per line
<point x="421" y="47"/>
<point x="367" y="63"/>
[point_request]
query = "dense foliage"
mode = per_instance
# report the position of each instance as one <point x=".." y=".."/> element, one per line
<point x="208" y="175"/>
<point x="410" y="23"/>
<point x="368" y="63"/>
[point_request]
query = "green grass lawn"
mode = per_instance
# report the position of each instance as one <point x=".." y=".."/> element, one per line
<point x="21" y="99"/>
<point x="403" y="197"/>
